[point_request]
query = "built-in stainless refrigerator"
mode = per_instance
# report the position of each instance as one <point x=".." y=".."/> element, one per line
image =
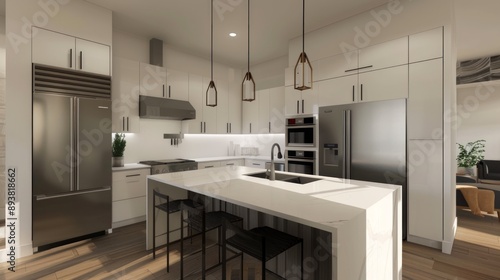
<point x="365" y="141"/>
<point x="71" y="157"/>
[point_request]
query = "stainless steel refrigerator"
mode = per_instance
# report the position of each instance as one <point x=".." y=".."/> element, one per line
<point x="71" y="158"/>
<point x="365" y="141"/>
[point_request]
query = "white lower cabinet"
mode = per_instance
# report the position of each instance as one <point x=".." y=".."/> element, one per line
<point x="233" y="162"/>
<point x="129" y="196"/>
<point x="255" y="163"/>
<point x="425" y="189"/>
<point x="208" y="164"/>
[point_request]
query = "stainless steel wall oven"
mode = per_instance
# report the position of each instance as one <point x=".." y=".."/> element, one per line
<point x="301" y="132"/>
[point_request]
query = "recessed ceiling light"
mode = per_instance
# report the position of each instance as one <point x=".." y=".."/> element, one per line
<point x="232" y="34"/>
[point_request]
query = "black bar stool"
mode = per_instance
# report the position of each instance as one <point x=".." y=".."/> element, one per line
<point x="262" y="243"/>
<point x="198" y="220"/>
<point x="168" y="206"/>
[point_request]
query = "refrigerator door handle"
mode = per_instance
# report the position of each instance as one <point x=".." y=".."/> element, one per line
<point x="44" y="197"/>
<point x="346" y="166"/>
<point x="76" y="149"/>
<point x="72" y="178"/>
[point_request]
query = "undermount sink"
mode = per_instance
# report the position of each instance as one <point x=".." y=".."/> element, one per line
<point x="285" y="178"/>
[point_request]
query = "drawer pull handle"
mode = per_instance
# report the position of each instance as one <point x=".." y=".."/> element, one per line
<point x="133" y="175"/>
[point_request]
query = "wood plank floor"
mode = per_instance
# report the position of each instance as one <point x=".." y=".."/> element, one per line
<point x="122" y="255"/>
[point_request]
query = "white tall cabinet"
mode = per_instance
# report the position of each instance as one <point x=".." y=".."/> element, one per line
<point x="425" y="139"/>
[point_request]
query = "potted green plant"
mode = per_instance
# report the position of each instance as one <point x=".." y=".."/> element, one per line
<point x="118" y="148"/>
<point x="469" y="155"/>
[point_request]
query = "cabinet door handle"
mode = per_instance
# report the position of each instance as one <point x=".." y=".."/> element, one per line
<point x="133" y="175"/>
<point x="227" y="127"/>
<point x="269" y="127"/>
<point x="297" y="106"/>
<point x="201" y="127"/>
<point x="205" y="127"/>
<point x="230" y="127"/>
<point x="81" y="60"/>
<point x="229" y="163"/>
<point x="360" y="68"/>
<point x="209" y="166"/>
<point x="256" y="163"/>
<point x="361" y="92"/>
<point x="169" y="92"/>
<point x="250" y="127"/>
<point x="70" y="58"/>
<point x="123" y="125"/>
<point x="127" y="125"/>
<point x="302" y="106"/>
<point x="353" y="93"/>
<point x="163" y="90"/>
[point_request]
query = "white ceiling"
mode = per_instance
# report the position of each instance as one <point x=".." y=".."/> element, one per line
<point x="185" y="24"/>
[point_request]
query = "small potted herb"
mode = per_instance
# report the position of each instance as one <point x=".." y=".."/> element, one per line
<point x="118" y="148"/>
<point x="469" y="155"/>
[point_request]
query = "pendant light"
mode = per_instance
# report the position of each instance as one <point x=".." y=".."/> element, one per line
<point x="211" y="98"/>
<point x="303" y="69"/>
<point x="248" y="84"/>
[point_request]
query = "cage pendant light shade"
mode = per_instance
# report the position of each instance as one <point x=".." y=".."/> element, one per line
<point x="211" y="95"/>
<point x="303" y="73"/>
<point x="248" y="88"/>
<point x="248" y="84"/>
<point x="211" y="98"/>
<point x="303" y="78"/>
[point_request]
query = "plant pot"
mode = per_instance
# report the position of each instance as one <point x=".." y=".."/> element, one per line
<point x="471" y="171"/>
<point x="118" y="161"/>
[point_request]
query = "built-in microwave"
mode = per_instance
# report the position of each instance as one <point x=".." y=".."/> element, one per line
<point x="301" y="131"/>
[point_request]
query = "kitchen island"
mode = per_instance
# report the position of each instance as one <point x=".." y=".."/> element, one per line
<point x="360" y="221"/>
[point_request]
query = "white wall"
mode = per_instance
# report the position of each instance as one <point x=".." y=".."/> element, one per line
<point x="478" y="117"/>
<point x="65" y="16"/>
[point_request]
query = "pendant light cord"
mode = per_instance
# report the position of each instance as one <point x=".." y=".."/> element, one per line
<point x="248" y="34"/>
<point x="212" y="41"/>
<point x="303" y="24"/>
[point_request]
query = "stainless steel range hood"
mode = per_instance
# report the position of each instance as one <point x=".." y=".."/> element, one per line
<point x="163" y="108"/>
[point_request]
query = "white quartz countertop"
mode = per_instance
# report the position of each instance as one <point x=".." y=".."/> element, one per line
<point x="131" y="166"/>
<point x="324" y="204"/>
<point x="207" y="159"/>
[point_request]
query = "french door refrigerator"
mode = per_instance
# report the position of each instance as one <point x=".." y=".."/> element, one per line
<point x="71" y="162"/>
<point x="365" y="141"/>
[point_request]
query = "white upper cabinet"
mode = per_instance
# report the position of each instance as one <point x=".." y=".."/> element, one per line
<point x="92" y="57"/>
<point x="153" y="80"/>
<point x="264" y="107"/>
<point x="335" y="66"/>
<point x="277" y="109"/>
<point x="195" y="90"/>
<point x="125" y="95"/>
<point x="289" y="76"/>
<point x="426" y="45"/>
<point x="301" y="102"/>
<point x="250" y="119"/>
<point x="426" y="95"/>
<point x="222" y="107"/>
<point x="385" y="84"/>
<point x="61" y="50"/>
<point x="341" y="90"/>
<point x="384" y="55"/>
<point x="234" y="107"/>
<point x="177" y="85"/>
